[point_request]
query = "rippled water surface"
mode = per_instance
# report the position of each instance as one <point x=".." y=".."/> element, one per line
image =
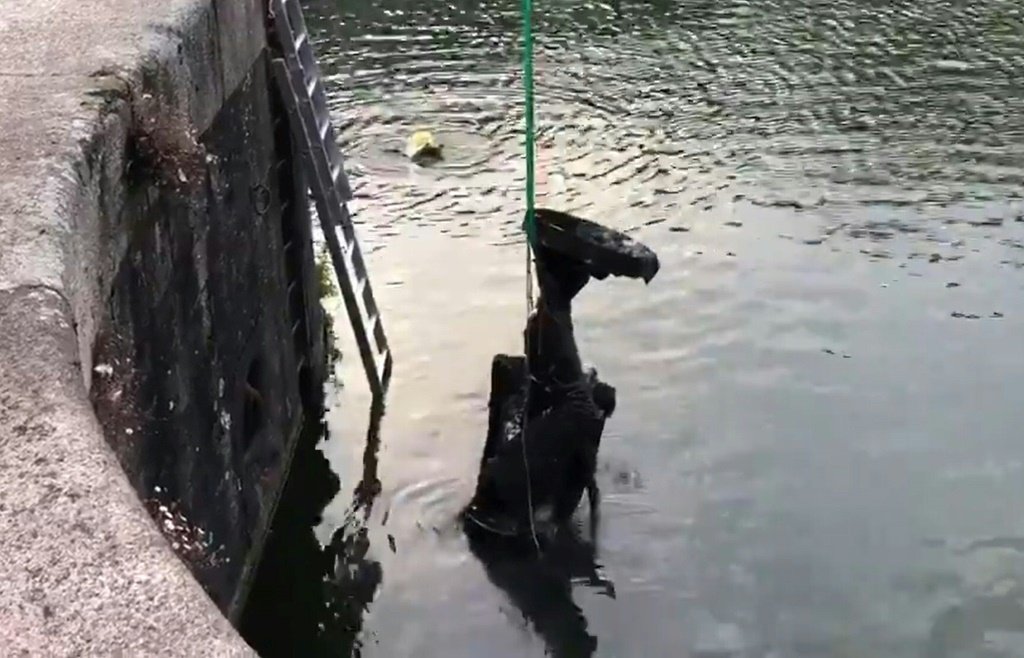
<point x="818" y="446"/>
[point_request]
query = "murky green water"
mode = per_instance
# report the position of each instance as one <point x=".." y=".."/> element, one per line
<point x="818" y="448"/>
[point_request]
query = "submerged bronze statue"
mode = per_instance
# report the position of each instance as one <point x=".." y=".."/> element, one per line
<point x="564" y="406"/>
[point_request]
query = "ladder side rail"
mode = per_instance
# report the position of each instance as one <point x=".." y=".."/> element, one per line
<point x="327" y="207"/>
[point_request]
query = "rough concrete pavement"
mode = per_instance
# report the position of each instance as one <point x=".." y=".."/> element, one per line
<point x="84" y="570"/>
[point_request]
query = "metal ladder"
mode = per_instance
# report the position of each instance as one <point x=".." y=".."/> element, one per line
<point x="298" y="77"/>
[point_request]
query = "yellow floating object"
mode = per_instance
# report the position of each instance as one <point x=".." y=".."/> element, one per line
<point x="423" y="146"/>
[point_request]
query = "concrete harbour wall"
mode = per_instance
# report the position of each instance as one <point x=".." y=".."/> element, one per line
<point x="160" y="327"/>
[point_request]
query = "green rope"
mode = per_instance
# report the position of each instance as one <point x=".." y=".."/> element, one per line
<point x="530" y="224"/>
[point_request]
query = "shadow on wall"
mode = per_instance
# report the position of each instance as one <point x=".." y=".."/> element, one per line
<point x="308" y="599"/>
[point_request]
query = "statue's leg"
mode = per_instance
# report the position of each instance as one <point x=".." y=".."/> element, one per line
<point x="554" y="360"/>
<point x="560" y="277"/>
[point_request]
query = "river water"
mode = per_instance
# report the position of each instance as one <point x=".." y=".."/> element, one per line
<point x="818" y="445"/>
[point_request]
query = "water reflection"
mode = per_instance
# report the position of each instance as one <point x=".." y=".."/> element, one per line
<point x="541" y="586"/>
<point x="309" y="599"/>
<point x="822" y="389"/>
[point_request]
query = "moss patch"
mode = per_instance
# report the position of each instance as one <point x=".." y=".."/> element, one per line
<point x="327" y="289"/>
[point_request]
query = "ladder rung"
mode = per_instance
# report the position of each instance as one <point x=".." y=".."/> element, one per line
<point x="358" y="269"/>
<point x="301" y="39"/>
<point x="347" y="246"/>
<point x="323" y="128"/>
<point x="357" y="275"/>
<point x="296" y="326"/>
<point x="320" y="114"/>
<point x="381" y="359"/>
<point x="379" y="340"/>
<point x="360" y="286"/>
<point x="351" y="246"/>
<point x="311" y="85"/>
<point x="373" y="326"/>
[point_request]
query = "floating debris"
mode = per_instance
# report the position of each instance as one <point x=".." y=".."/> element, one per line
<point x="423" y="148"/>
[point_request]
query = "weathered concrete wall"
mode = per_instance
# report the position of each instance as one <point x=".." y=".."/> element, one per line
<point x="158" y="310"/>
<point x="200" y="352"/>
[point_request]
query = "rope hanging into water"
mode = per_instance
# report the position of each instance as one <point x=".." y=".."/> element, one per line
<point x="530" y="224"/>
<point x="530" y="221"/>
